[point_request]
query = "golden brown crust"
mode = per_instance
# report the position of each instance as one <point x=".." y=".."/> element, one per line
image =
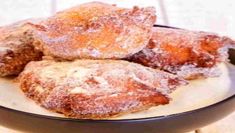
<point x="95" y="31"/>
<point x="96" y="89"/>
<point x="186" y="53"/>
<point x="16" y="48"/>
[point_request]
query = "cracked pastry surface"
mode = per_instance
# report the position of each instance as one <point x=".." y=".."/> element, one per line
<point x="96" y="89"/>
<point x="16" y="48"/>
<point x="189" y="54"/>
<point x="95" y="30"/>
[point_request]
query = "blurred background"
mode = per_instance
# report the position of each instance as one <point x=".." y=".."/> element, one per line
<point x="207" y="15"/>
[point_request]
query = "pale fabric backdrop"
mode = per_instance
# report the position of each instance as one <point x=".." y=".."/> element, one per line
<point x="208" y="15"/>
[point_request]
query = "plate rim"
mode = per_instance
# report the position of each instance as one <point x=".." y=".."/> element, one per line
<point x="120" y="120"/>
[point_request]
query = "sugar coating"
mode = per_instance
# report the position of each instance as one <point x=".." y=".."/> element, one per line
<point x="16" y="48"/>
<point x="190" y="54"/>
<point x="96" y="88"/>
<point x="95" y="31"/>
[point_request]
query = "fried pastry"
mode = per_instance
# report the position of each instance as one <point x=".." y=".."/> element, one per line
<point x="96" y="89"/>
<point x="16" y="48"/>
<point x="95" y="31"/>
<point x="189" y="54"/>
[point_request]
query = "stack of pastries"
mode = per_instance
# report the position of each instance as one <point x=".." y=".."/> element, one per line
<point x="96" y="60"/>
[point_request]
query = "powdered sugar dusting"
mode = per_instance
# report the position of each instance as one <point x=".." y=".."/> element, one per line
<point x="189" y="54"/>
<point x="96" y="31"/>
<point x="99" y="88"/>
<point x="192" y="72"/>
